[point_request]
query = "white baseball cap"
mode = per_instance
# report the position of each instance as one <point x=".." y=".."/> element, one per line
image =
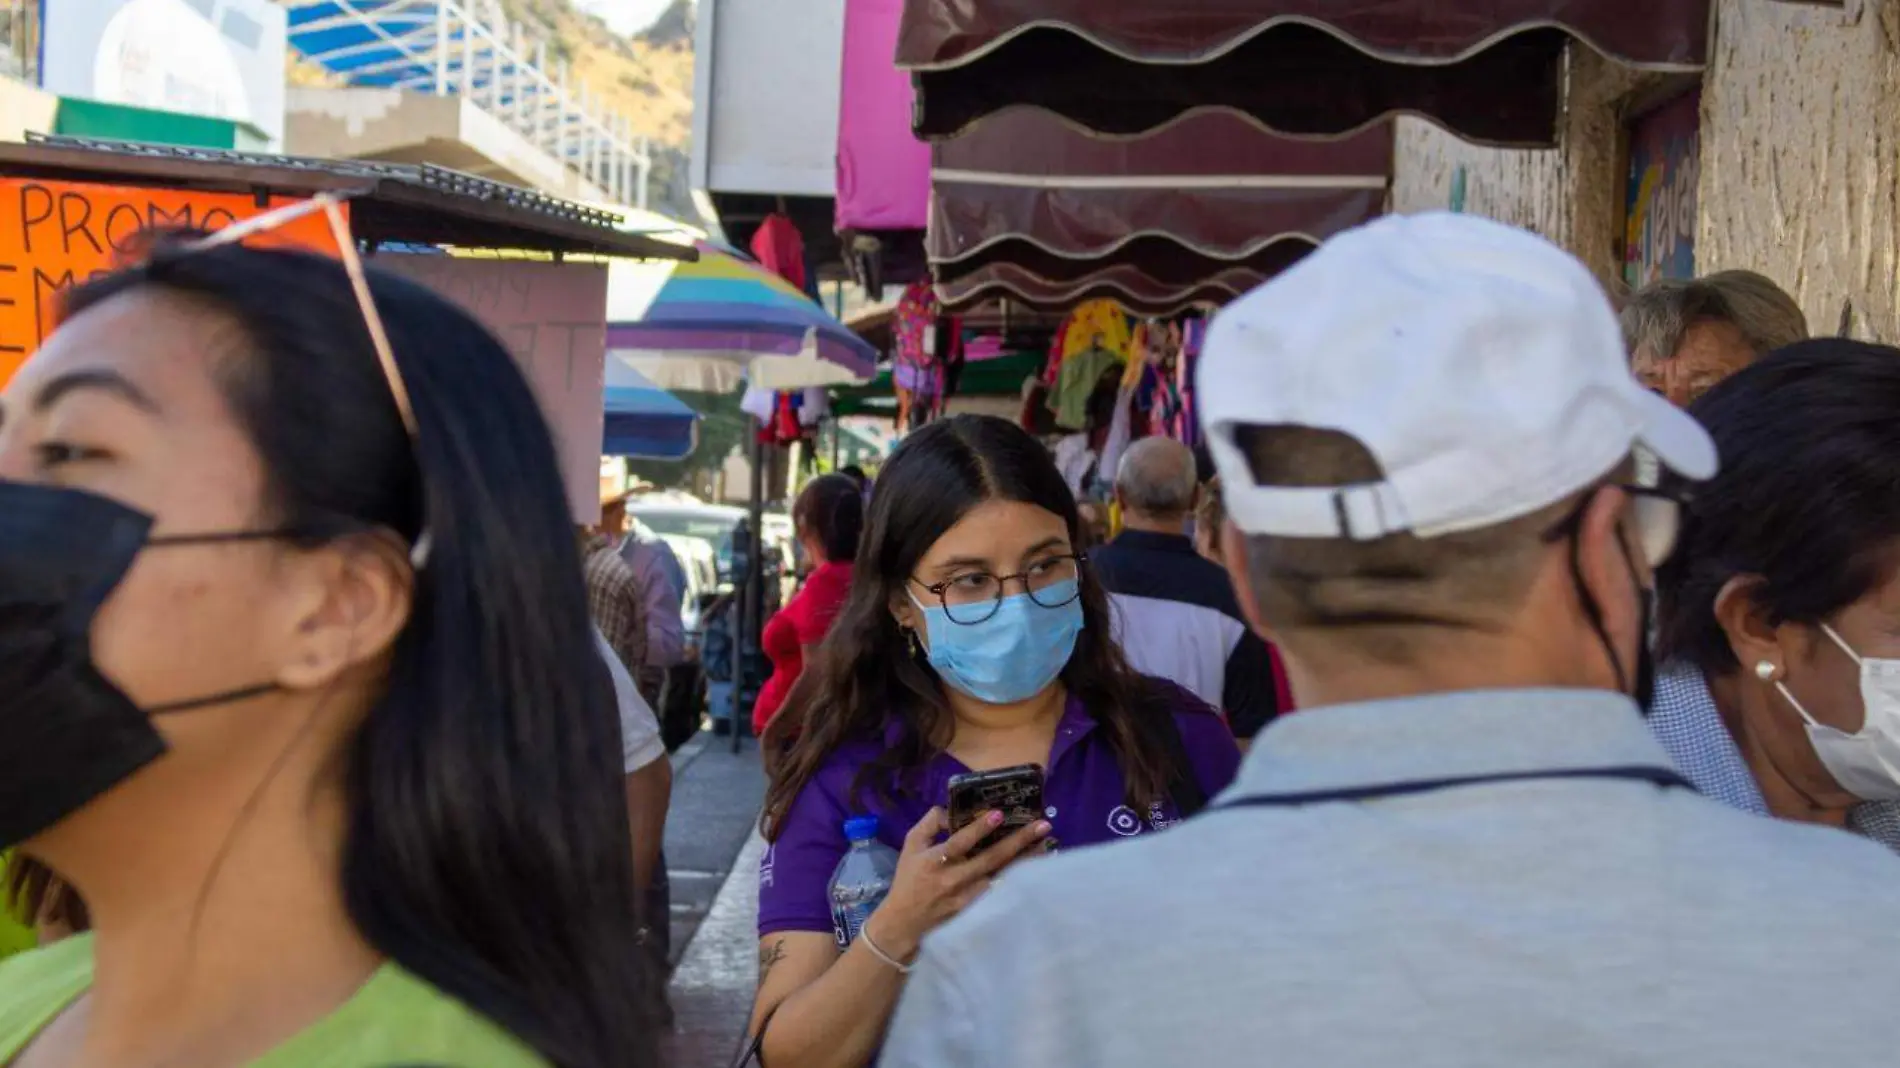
<point x="1481" y="366"/>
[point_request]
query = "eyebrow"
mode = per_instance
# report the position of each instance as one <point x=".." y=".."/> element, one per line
<point x="103" y="381"/>
<point x="1042" y="546"/>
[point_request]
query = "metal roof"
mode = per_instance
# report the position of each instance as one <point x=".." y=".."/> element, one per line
<point x="391" y="202"/>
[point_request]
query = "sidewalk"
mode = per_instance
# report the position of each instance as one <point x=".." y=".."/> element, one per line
<point x="712" y="852"/>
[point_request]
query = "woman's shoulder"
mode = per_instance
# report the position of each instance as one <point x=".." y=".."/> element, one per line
<point x="398" y="1018"/>
<point x="37" y="985"/>
<point x="1188" y="710"/>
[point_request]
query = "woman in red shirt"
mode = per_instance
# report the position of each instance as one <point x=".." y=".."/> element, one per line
<point x="829" y="516"/>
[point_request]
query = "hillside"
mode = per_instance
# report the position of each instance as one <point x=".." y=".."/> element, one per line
<point x="648" y="78"/>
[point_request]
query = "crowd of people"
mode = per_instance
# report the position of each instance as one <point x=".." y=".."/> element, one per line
<point x="1525" y="689"/>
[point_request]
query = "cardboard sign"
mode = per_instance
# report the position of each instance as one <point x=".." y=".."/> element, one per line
<point x="55" y="235"/>
<point x="553" y="319"/>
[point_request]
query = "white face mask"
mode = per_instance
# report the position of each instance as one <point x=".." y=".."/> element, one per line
<point x="1866" y="764"/>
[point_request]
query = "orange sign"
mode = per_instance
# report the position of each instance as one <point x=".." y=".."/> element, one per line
<point x="55" y="235"/>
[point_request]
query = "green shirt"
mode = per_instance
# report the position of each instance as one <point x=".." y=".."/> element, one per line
<point x="15" y="935"/>
<point x="395" y="1019"/>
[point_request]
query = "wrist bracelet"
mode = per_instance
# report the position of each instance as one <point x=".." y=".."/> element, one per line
<point x="864" y="935"/>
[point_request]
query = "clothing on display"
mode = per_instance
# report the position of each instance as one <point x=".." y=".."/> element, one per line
<point x="779" y="248"/>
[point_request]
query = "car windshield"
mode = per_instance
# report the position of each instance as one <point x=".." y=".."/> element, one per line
<point x="710" y="527"/>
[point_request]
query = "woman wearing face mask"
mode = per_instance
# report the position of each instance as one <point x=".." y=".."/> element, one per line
<point x="299" y="689"/>
<point x="1780" y="612"/>
<point x="974" y="639"/>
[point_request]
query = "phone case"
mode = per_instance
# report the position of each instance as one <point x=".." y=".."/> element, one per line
<point x="1015" y="792"/>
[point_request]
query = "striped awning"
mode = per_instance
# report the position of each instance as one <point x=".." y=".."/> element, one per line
<point x="1490" y="71"/>
<point x="1026" y="205"/>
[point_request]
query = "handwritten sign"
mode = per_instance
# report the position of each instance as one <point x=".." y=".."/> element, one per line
<point x="1665" y="166"/>
<point x="553" y="319"/>
<point x="55" y="235"/>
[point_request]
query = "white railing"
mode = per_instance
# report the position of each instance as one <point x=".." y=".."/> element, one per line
<point x="470" y="49"/>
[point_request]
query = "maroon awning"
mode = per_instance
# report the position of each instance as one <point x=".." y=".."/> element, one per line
<point x="1133" y="288"/>
<point x="1192" y="201"/>
<point x="1488" y="70"/>
<point x="1204" y="193"/>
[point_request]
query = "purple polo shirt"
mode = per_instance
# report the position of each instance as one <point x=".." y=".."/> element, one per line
<point x="1082" y="787"/>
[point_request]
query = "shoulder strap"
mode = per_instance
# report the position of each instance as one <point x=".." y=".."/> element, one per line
<point x="1185" y="788"/>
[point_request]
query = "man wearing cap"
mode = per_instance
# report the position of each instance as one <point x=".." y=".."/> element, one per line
<point x="1466" y="849"/>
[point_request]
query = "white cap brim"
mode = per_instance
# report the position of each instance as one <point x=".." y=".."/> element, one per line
<point x="1675" y="437"/>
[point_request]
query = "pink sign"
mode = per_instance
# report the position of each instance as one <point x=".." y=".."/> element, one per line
<point x="553" y="319"/>
<point x="883" y="170"/>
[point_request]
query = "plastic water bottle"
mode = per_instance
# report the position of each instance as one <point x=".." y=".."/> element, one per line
<point x="862" y="879"/>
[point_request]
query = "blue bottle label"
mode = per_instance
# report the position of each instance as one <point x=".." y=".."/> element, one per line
<point x="848" y="920"/>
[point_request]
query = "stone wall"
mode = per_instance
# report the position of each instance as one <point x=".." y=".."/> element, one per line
<point x="1800" y="159"/>
<point x="1571" y="194"/>
<point x="1800" y="154"/>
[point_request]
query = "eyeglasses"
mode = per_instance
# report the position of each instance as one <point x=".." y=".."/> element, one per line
<point x="331" y="206"/>
<point x="970" y="599"/>
<point x="1657" y="511"/>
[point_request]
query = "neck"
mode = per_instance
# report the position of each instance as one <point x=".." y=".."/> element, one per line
<point x="978" y="718"/>
<point x="1154" y="524"/>
<point x="219" y="924"/>
<point x="1473" y="661"/>
<point x="1793" y="784"/>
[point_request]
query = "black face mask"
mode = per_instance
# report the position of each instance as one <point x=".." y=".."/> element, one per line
<point x="71" y="735"/>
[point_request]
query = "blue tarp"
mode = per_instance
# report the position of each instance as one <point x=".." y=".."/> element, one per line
<point x="643" y="420"/>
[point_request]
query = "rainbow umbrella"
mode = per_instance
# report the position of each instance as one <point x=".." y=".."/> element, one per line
<point x="723" y="320"/>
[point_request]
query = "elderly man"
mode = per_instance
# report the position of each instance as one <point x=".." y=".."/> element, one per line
<point x="1175" y="613"/>
<point x="1685" y="336"/>
<point x="1465" y="849"/>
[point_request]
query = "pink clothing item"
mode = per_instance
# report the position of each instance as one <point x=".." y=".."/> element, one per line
<point x="883" y="170"/>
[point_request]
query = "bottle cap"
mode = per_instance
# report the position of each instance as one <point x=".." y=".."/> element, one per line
<point x="860" y="828"/>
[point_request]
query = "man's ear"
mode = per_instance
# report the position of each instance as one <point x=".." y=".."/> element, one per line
<point x="1614" y="572"/>
<point x="1233" y="554"/>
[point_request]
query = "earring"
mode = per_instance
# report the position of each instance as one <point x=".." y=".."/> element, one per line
<point x="912" y="635"/>
<point x="1766" y="670"/>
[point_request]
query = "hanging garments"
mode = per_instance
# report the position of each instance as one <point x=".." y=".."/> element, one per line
<point x="1098" y="324"/>
<point x="779" y="249"/>
<point x="1080" y="375"/>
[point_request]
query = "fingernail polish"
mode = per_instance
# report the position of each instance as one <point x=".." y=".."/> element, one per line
<point x="1043" y="828"/>
<point x="995" y="819"/>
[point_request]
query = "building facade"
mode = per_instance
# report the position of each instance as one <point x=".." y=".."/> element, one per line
<point x="1782" y="157"/>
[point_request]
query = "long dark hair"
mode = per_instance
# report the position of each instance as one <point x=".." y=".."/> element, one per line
<point x="832" y="508"/>
<point x="1805" y="498"/>
<point x="865" y="674"/>
<point x="486" y="846"/>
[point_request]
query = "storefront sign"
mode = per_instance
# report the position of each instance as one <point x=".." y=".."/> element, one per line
<point x="55" y="235"/>
<point x="1659" y="239"/>
<point x="553" y="318"/>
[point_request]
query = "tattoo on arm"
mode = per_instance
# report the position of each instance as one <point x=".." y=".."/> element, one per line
<point x="770" y="955"/>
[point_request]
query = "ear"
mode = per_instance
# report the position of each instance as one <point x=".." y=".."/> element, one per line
<point x="906" y="613"/>
<point x="1751" y="636"/>
<point x="1614" y="572"/>
<point x="1233" y="554"/>
<point x="361" y="592"/>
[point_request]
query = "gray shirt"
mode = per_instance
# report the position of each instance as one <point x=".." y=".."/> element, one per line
<point x="1579" y="922"/>
<point x="664" y="581"/>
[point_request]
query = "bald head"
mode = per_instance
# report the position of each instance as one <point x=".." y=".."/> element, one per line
<point x="1156" y="483"/>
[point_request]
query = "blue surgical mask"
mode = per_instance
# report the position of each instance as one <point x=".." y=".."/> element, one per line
<point x="1011" y="656"/>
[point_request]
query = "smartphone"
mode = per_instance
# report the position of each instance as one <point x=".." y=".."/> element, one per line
<point x="1015" y="792"/>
